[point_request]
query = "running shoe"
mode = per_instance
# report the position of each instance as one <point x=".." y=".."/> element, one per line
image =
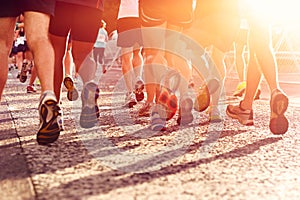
<point x="214" y="115"/>
<point x="202" y="100"/>
<point x="279" y="104"/>
<point x="90" y="111"/>
<point x="130" y="100"/>
<point x="158" y="118"/>
<point x="49" y="112"/>
<point x="244" y="117"/>
<point x="31" y="89"/>
<point x="145" y="110"/>
<point x="185" y="115"/>
<point x="23" y="73"/>
<point x="169" y="101"/>
<point x="139" y="90"/>
<point x="240" y="89"/>
<point x="60" y="121"/>
<point x="72" y="93"/>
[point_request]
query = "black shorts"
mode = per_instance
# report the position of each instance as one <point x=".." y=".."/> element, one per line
<point x="83" y="22"/>
<point x="13" y="8"/>
<point x="129" y="32"/>
<point x="22" y="48"/>
<point x="175" y="12"/>
<point x="9" y="8"/>
<point x="43" y="6"/>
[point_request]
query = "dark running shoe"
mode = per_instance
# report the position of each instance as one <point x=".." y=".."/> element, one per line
<point x="31" y="89"/>
<point x="90" y="111"/>
<point x="245" y="117"/>
<point x="72" y="93"/>
<point x="185" y="111"/>
<point x="139" y="90"/>
<point x="279" y="104"/>
<point x="49" y="112"/>
<point x="23" y="74"/>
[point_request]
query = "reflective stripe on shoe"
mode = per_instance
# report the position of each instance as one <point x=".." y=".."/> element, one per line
<point x="244" y="117"/>
<point x="279" y="104"/>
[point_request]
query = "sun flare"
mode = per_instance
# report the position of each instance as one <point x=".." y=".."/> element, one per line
<point x="283" y="12"/>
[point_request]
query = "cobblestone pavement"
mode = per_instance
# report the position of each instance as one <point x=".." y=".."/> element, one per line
<point x="121" y="159"/>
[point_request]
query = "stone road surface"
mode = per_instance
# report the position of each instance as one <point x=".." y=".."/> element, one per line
<point x="121" y="159"/>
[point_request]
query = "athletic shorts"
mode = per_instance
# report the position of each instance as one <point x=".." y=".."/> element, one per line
<point x="13" y="8"/>
<point x="175" y="12"/>
<point x="129" y="32"/>
<point x="43" y="6"/>
<point x="22" y="47"/>
<point x="83" y="22"/>
<point x="8" y="8"/>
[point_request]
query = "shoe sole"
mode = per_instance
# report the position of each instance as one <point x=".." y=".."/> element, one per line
<point x="158" y="118"/>
<point x="90" y="111"/>
<point x="23" y="74"/>
<point x="72" y="93"/>
<point x="169" y="101"/>
<point x="203" y="94"/>
<point x="29" y="92"/>
<point x="279" y="124"/>
<point x="50" y="131"/>
<point x="139" y="94"/>
<point x="185" y="117"/>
